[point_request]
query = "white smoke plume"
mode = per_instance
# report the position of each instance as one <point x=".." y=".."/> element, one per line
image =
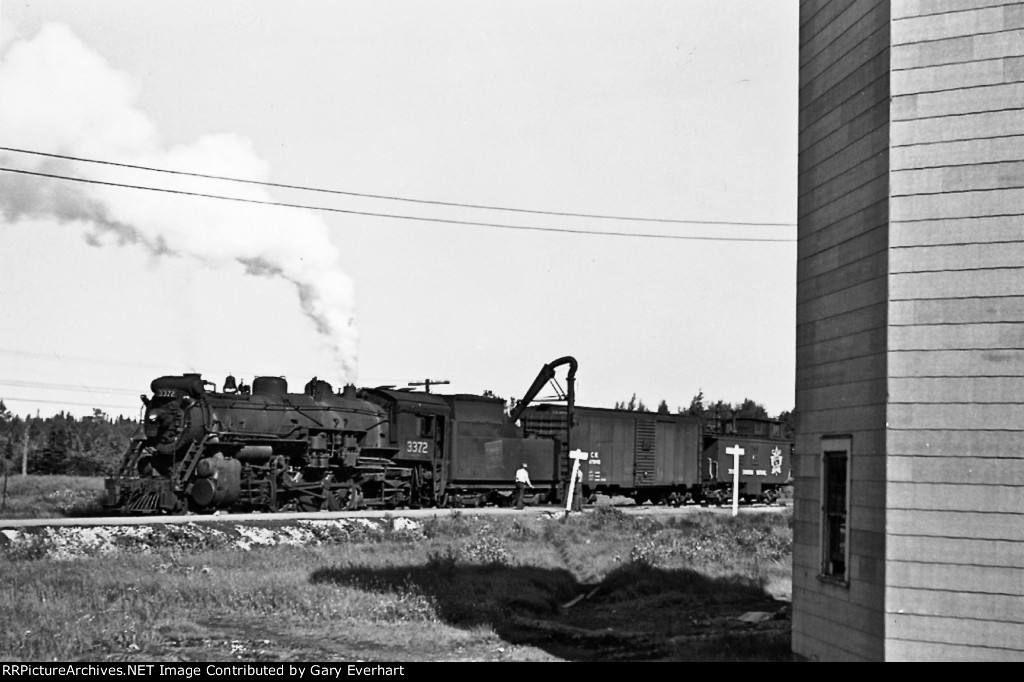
<point x="61" y="97"/>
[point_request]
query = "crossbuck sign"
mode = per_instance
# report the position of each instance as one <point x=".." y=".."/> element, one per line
<point x="577" y="457"/>
<point x="736" y="451"/>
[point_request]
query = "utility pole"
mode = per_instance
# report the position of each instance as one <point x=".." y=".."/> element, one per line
<point x="7" y="465"/>
<point x="24" y="447"/>
<point x="428" y="383"/>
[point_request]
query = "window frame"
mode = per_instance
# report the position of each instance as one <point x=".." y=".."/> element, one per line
<point x="834" y="449"/>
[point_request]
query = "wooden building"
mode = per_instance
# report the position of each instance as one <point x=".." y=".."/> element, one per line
<point x="909" y="464"/>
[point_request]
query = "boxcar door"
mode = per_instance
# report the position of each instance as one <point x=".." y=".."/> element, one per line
<point x="644" y="465"/>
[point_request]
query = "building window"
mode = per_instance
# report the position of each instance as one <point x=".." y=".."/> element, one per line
<point x="835" y="545"/>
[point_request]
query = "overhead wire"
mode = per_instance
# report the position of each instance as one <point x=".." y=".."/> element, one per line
<point x="365" y="195"/>
<point x="62" y="358"/>
<point x="71" y="402"/>
<point x="367" y="214"/>
<point x="112" y="363"/>
<point x="49" y="386"/>
<point x="447" y="221"/>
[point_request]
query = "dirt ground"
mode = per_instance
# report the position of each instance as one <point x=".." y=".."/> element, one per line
<point x="593" y="630"/>
<point x="588" y="630"/>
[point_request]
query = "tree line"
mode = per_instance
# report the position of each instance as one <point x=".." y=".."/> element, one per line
<point x="63" y="444"/>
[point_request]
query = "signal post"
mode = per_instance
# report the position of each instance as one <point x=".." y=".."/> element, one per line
<point x="736" y="451"/>
<point x="577" y="456"/>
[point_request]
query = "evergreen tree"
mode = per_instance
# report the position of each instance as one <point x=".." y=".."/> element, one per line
<point x="749" y="408"/>
<point x="53" y="458"/>
<point x="788" y="419"/>
<point x="634" y="405"/>
<point x="696" y="408"/>
<point x="5" y="433"/>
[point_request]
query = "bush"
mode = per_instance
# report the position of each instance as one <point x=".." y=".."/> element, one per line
<point x="485" y="548"/>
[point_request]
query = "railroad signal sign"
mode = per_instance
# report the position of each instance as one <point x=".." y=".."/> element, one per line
<point x="577" y="456"/>
<point x="736" y="451"/>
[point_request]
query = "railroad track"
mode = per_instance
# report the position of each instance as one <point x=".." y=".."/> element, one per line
<point x="366" y="513"/>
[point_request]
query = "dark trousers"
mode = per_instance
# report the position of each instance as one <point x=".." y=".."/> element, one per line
<point x="520" y="490"/>
<point x="577" y="497"/>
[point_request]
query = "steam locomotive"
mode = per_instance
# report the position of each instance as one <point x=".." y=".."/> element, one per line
<point x="262" y="448"/>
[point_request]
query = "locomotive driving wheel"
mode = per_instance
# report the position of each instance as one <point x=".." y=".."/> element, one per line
<point x="271" y="503"/>
<point x="355" y="498"/>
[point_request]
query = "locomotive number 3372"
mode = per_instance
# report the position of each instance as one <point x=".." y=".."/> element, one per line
<point x="416" y="447"/>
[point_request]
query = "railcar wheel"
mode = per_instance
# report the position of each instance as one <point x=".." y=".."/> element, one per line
<point x="272" y="505"/>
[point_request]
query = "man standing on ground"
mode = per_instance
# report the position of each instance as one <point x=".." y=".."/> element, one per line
<point x="577" y="491"/>
<point x="522" y="481"/>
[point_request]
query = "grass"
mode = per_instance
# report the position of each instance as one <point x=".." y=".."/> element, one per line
<point x="452" y="587"/>
<point x="48" y="497"/>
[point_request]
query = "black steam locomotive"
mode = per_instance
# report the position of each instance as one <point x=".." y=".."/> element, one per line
<point x="261" y="448"/>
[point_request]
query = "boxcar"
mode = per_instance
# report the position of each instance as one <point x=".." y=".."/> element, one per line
<point x="644" y="455"/>
<point x="668" y="458"/>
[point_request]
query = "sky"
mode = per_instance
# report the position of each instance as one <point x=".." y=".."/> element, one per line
<point x="450" y="190"/>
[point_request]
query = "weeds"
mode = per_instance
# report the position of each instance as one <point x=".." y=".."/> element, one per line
<point x="144" y="593"/>
<point x="53" y="497"/>
<point x="484" y="549"/>
<point x="451" y="526"/>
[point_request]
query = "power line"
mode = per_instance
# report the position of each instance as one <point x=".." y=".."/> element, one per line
<point x="70" y="402"/>
<point x="46" y="386"/>
<point x="397" y="217"/>
<point x="394" y="198"/>
<point x="64" y="358"/>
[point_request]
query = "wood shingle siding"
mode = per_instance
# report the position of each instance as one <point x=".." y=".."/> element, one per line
<point x="910" y="327"/>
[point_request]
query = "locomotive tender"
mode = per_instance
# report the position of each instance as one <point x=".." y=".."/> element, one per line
<point x="261" y="448"/>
